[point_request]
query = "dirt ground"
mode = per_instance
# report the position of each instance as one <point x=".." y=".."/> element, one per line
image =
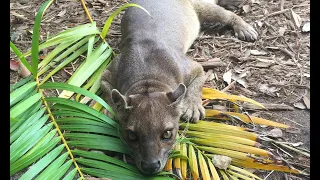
<point x="275" y="69"/>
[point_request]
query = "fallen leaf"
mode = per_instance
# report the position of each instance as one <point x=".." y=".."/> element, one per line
<point x="265" y="88"/>
<point x="227" y="76"/>
<point x="306" y="27"/>
<point x="240" y="79"/>
<point x="14" y="65"/>
<point x="246" y="8"/>
<point x="306" y="101"/>
<point x="62" y="13"/>
<point x="282" y="30"/>
<point x="299" y="105"/>
<point x="296" y="18"/>
<point x="258" y="53"/>
<point x="221" y="162"/>
<point x="276" y="132"/>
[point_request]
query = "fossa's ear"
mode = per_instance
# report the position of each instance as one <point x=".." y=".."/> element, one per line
<point x="120" y="100"/>
<point x="176" y="95"/>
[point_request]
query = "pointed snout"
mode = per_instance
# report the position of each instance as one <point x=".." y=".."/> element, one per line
<point x="150" y="167"/>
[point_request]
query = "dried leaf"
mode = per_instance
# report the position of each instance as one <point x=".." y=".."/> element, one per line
<point x="246" y="8"/>
<point x="265" y="88"/>
<point x="62" y="13"/>
<point x="306" y="27"/>
<point x="227" y="76"/>
<point x="240" y="80"/>
<point x="296" y="19"/>
<point x="221" y="162"/>
<point x="299" y="105"/>
<point x="209" y="93"/>
<point x="276" y="132"/>
<point x="14" y="65"/>
<point x="18" y="66"/>
<point x="306" y="101"/>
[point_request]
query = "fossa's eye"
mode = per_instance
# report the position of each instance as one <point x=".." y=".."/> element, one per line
<point x="132" y="135"/>
<point x="167" y="135"/>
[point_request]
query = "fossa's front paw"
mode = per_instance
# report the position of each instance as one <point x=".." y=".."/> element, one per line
<point x="245" y="32"/>
<point x="193" y="110"/>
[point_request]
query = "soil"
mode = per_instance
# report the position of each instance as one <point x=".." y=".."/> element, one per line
<point x="276" y="66"/>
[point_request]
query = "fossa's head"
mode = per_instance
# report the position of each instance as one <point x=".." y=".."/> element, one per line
<point x="150" y="123"/>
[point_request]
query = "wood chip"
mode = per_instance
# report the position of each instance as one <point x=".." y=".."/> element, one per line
<point x="212" y="64"/>
<point x="258" y="53"/>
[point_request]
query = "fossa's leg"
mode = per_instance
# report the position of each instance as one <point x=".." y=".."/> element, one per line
<point x="192" y="108"/>
<point x="207" y="10"/>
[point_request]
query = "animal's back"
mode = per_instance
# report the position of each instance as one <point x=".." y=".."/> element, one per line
<point x="173" y="22"/>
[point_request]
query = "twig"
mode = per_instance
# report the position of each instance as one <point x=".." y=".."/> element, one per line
<point x="56" y="89"/>
<point x="268" y="106"/>
<point x="284" y="10"/>
<point x="229" y="86"/>
<point x="268" y="175"/>
<point x="282" y="150"/>
<point x="211" y="64"/>
<point x="89" y="16"/>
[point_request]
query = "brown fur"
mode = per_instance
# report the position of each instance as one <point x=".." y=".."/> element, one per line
<point x="152" y="83"/>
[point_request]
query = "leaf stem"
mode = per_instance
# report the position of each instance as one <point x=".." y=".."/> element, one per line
<point x="89" y="16"/>
<point x="58" y="129"/>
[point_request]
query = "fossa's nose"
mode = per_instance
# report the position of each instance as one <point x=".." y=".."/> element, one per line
<point x="150" y="168"/>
